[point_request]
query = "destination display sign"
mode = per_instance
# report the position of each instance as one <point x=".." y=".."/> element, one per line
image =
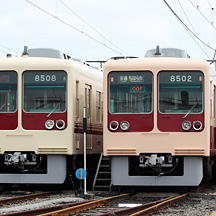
<point x="135" y="77"/>
<point x="8" y="77"/>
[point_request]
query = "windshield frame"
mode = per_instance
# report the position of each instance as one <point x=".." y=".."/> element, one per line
<point x="5" y="73"/>
<point x="132" y="72"/>
<point x="40" y="76"/>
<point x="176" y="75"/>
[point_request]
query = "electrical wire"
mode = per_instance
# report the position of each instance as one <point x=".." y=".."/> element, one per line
<point x="202" y="15"/>
<point x="69" y="25"/>
<point x="212" y="8"/>
<point x="3" y="51"/>
<point x="204" y="48"/>
<point x="7" y="53"/>
<point x="91" y="26"/>
<point x="9" y="49"/>
<point x="186" y="27"/>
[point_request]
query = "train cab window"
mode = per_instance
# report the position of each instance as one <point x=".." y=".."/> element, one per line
<point x="8" y="91"/>
<point x="44" y="91"/>
<point x="130" y="92"/>
<point x="180" y="91"/>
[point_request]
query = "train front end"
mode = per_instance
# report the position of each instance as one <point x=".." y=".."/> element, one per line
<point x="157" y="121"/>
<point x="34" y="131"/>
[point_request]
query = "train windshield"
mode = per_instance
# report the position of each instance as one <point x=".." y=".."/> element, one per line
<point x="180" y="92"/>
<point x="44" y="91"/>
<point x="8" y="91"/>
<point x="130" y="92"/>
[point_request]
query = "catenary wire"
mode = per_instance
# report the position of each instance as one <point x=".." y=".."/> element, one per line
<point x="212" y="8"/>
<point x="204" y="48"/>
<point x="3" y="51"/>
<point x="64" y="22"/>
<point x="202" y="14"/>
<point x="8" y="49"/>
<point x="186" y="27"/>
<point x="91" y="26"/>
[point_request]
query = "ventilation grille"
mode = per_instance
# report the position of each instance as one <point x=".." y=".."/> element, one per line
<point x="121" y="151"/>
<point x="189" y="151"/>
<point x="52" y="150"/>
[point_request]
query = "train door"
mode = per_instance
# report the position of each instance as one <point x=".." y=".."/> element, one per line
<point x="77" y="117"/>
<point x="88" y="105"/>
<point x="213" y="117"/>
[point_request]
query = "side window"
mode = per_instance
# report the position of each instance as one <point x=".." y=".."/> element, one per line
<point x="98" y="106"/>
<point x="77" y="100"/>
<point x="88" y="100"/>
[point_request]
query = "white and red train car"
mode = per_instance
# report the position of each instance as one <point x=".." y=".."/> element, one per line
<point x="158" y="125"/>
<point x="41" y="114"/>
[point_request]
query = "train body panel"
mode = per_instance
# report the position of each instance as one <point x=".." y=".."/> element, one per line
<point x="47" y="89"/>
<point x="157" y="120"/>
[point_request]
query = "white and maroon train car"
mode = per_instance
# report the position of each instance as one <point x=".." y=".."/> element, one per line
<point x="157" y="121"/>
<point x="41" y="114"/>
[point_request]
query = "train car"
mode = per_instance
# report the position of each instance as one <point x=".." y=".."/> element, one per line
<point x="42" y="96"/>
<point x="158" y="127"/>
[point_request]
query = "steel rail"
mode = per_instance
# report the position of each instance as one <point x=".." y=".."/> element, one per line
<point x="132" y="210"/>
<point x="83" y="207"/>
<point x="25" y="197"/>
<point x="161" y="205"/>
<point x="35" y="212"/>
<point x="149" y="208"/>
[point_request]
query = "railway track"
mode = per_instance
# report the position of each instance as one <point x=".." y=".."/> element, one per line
<point x="105" y="206"/>
<point x="97" y="207"/>
<point x="23" y="198"/>
<point x="68" y="209"/>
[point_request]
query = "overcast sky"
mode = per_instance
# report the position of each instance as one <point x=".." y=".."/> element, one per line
<point x="129" y="27"/>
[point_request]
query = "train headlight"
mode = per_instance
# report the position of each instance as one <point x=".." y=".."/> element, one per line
<point x="124" y="125"/>
<point x="49" y="124"/>
<point x="197" y="125"/>
<point x="186" y="125"/>
<point x="114" y="125"/>
<point x="60" y="124"/>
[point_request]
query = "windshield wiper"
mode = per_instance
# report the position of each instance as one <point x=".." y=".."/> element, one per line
<point x="3" y="106"/>
<point x="190" y="110"/>
<point x="54" y="110"/>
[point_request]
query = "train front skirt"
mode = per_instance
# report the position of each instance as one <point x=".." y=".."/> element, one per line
<point x="56" y="173"/>
<point x="192" y="174"/>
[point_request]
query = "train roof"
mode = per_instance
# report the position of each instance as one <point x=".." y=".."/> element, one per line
<point x="156" y="63"/>
<point x="167" y="52"/>
<point x="46" y="53"/>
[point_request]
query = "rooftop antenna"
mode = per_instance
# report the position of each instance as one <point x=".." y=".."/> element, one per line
<point x="157" y="53"/>
<point x="8" y="55"/>
<point x="25" y="51"/>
